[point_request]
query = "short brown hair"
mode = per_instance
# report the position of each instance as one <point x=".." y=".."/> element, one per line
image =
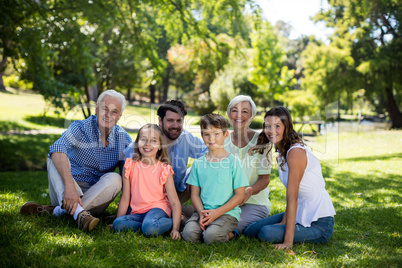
<point x="175" y="106"/>
<point x="214" y="120"/>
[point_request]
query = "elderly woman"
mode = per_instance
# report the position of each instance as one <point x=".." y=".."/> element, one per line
<point x="257" y="164"/>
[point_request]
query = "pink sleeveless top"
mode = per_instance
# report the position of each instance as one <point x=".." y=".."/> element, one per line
<point x="147" y="186"/>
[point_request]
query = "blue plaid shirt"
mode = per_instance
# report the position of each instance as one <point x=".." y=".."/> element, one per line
<point x="82" y="143"/>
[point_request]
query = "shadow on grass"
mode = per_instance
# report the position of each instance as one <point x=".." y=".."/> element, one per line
<point x="46" y="120"/>
<point x="25" y="152"/>
<point x="373" y="158"/>
<point x="366" y="234"/>
<point x="6" y="126"/>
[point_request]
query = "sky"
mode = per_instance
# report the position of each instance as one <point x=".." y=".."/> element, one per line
<point x="297" y="13"/>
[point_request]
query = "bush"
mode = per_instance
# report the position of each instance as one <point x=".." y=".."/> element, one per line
<point x="257" y="123"/>
<point x="200" y="103"/>
<point x="15" y="82"/>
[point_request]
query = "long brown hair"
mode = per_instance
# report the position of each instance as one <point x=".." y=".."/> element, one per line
<point x="290" y="136"/>
<point x="161" y="155"/>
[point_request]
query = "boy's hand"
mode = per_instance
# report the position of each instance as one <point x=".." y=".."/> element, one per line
<point x="202" y="216"/>
<point x="208" y="216"/>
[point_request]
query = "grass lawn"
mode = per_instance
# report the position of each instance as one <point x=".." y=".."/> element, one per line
<point x="365" y="186"/>
<point x="362" y="173"/>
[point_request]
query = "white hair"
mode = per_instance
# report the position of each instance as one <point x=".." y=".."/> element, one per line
<point x="115" y="94"/>
<point x="242" y="98"/>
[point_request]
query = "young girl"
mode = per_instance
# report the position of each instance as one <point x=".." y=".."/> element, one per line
<point x="309" y="214"/>
<point x="148" y="188"/>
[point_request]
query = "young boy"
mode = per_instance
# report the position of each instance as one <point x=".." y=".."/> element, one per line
<point x="217" y="186"/>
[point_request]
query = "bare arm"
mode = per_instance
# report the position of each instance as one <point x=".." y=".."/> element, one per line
<point x="213" y="214"/>
<point x="125" y="197"/>
<point x="71" y="198"/>
<point x="297" y="162"/>
<point x="197" y="203"/>
<point x="262" y="183"/>
<point x="176" y="208"/>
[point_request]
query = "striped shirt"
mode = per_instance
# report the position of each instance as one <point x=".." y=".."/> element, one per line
<point x="82" y="143"/>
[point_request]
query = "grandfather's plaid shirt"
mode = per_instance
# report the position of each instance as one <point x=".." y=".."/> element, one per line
<point x="83" y="145"/>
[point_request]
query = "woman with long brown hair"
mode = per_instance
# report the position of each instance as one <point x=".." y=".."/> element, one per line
<point x="309" y="214"/>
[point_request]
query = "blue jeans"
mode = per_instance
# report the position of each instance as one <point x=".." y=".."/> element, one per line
<point x="266" y="229"/>
<point x="152" y="223"/>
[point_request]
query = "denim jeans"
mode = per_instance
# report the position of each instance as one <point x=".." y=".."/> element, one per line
<point x="266" y="229"/>
<point x="152" y="223"/>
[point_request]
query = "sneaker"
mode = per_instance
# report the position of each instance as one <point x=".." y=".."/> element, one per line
<point x="32" y="208"/>
<point x="86" y="221"/>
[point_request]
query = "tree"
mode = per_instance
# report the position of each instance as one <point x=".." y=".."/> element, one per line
<point x="267" y="63"/>
<point x="69" y="46"/>
<point x="233" y="79"/>
<point x="373" y="31"/>
<point x="330" y="71"/>
<point x="202" y="60"/>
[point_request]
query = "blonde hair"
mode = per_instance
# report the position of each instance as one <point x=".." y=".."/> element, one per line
<point x="161" y="155"/>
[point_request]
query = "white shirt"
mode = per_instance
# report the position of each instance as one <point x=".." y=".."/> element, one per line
<point x="254" y="165"/>
<point x="313" y="200"/>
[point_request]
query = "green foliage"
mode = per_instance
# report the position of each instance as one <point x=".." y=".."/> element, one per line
<point x="330" y="71"/>
<point x="14" y="82"/>
<point x="369" y="43"/>
<point x="69" y="46"/>
<point x="267" y="63"/>
<point x="232" y="80"/>
<point x="300" y="102"/>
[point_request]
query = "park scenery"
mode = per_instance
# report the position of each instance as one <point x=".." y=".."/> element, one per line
<point x="344" y="94"/>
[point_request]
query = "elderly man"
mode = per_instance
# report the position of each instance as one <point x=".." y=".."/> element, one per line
<point x="81" y="164"/>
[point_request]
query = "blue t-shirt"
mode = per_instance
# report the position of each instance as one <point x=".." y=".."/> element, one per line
<point x="217" y="181"/>
<point x="82" y="143"/>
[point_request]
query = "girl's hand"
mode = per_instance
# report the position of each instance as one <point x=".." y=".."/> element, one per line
<point x="175" y="235"/>
<point x="283" y="222"/>
<point x="284" y="245"/>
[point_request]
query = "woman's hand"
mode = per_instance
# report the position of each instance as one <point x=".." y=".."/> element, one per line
<point x="247" y="193"/>
<point x="175" y="235"/>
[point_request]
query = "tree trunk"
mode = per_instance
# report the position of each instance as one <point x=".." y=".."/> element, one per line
<point x="86" y="102"/>
<point x="128" y="96"/>
<point x="166" y="83"/>
<point x="2" y="87"/>
<point x="159" y="94"/>
<point x="393" y="110"/>
<point x="2" y="67"/>
<point x="152" y="90"/>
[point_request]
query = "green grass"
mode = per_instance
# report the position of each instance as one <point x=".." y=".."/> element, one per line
<point x="362" y="173"/>
<point x="22" y="111"/>
<point x="366" y="189"/>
